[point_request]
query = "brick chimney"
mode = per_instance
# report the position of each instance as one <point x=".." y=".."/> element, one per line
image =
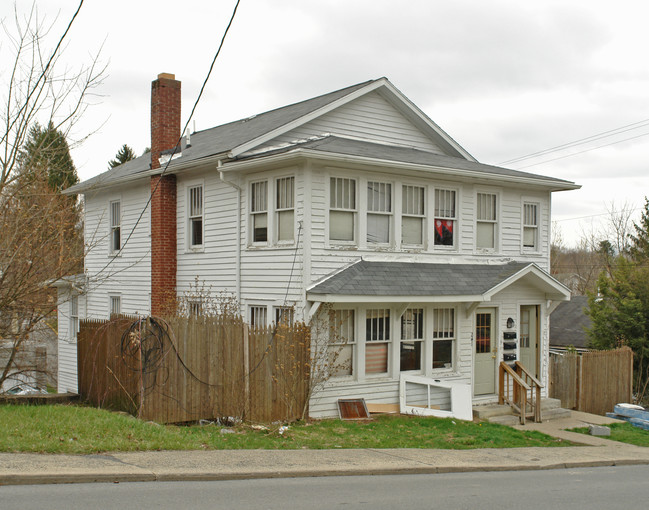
<point x="165" y="133"/>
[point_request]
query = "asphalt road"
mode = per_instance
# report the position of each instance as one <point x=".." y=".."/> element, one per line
<point x="592" y="488"/>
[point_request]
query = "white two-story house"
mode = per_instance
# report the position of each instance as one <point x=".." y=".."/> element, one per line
<point x="426" y="261"/>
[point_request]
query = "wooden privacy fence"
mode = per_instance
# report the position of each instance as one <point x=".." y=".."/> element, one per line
<point x="593" y="381"/>
<point x="187" y="369"/>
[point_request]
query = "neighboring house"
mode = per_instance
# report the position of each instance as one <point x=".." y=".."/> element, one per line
<point x="568" y="325"/>
<point x="353" y="207"/>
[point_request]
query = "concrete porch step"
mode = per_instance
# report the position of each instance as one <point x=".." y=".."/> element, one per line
<point x="503" y="414"/>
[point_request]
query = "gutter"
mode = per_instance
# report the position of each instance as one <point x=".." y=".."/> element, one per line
<point x="219" y="166"/>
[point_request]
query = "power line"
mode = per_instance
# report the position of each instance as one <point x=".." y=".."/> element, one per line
<point x="591" y="138"/>
<point x="164" y="170"/>
<point x="582" y="152"/>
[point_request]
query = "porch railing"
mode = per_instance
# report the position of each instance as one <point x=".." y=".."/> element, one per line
<point x="520" y="390"/>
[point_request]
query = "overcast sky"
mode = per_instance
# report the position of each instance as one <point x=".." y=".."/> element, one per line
<point x="505" y="78"/>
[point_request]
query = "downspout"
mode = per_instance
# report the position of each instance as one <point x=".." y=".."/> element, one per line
<point x="237" y="262"/>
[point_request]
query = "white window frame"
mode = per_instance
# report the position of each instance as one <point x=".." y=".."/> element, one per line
<point x="114" y="226"/>
<point x="114" y="304"/>
<point x="530" y="223"/>
<point x="258" y="316"/>
<point x="195" y="214"/>
<point x="383" y="207"/>
<point x="285" y="206"/>
<point x="284" y="314"/>
<point x="259" y="208"/>
<point x="342" y="338"/>
<point x="413" y="331"/>
<point x="442" y="213"/>
<point x="413" y="208"/>
<point x="487" y="214"/>
<point x="443" y="329"/>
<point x="343" y="204"/>
<point x="73" y="328"/>
<point x="375" y="337"/>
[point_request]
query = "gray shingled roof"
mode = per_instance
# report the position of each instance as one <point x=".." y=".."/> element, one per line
<point x="352" y="147"/>
<point x="567" y="323"/>
<point x="221" y="139"/>
<point x="367" y="278"/>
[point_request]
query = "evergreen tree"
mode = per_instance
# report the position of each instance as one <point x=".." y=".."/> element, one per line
<point x="123" y="155"/>
<point x="46" y="150"/>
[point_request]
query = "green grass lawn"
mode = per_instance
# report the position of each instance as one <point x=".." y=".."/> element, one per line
<point x="624" y="433"/>
<point x="78" y="429"/>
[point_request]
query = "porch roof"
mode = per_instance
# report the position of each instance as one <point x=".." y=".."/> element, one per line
<point x="370" y="281"/>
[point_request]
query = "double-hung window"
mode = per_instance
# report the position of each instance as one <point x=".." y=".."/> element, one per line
<point x="342" y="342"/>
<point x="445" y="217"/>
<point x="486" y="224"/>
<point x="377" y="340"/>
<point x="412" y="215"/>
<point x="443" y="337"/>
<point x="74" y="318"/>
<point x="115" y="219"/>
<point x="412" y="336"/>
<point x="530" y="226"/>
<point x="379" y="212"/>
<point x="259" y="211"/>
<point x="342" y="209"/>
<point x="195" y="216"/>
<point x="284" y="206"/>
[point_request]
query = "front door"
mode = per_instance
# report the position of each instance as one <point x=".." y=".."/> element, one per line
<point x="530" y="338"/>
<point x="486" y="348"/>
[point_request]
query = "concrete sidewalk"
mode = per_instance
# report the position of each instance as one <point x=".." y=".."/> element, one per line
<point x="243" y="464"/>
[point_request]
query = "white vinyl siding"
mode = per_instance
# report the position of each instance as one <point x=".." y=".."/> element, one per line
<point x="487" y="218"/>
<point x="379" y="212"/>
<point x="413" y="214"/>
<point x="195" y="216"/>
<point x="342" y="209"/>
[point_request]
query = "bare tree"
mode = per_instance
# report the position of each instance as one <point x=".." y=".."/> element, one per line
<point x="40" y="241"/>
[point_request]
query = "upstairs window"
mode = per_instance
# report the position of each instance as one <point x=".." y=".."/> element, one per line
<point x="412" y="336"/>
<point x="412" y="215"/>
<point x="445" y="217"/>
<point x="195" y="209"/>
<point x="530" y="226"/>
<point x="377" y="341"/>
<point x="284" y="205"/>
<point x="342" y="209"/>
<point x="379" y="211"/>
<point x="259" y="211"/>
<point x="115" y="220"/>
<point x="486" y="226"/>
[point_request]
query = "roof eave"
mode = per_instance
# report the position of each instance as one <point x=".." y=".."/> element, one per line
<point x="356" y="298"/>
<point x="298" y="152"/>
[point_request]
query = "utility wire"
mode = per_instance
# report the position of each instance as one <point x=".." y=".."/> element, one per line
<point x="592" y="138"/>
<point x="582" y="152"/>
<point x="164" y="170"/>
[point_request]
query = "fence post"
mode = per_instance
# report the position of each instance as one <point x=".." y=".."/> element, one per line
<point x="246" y="371"/>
